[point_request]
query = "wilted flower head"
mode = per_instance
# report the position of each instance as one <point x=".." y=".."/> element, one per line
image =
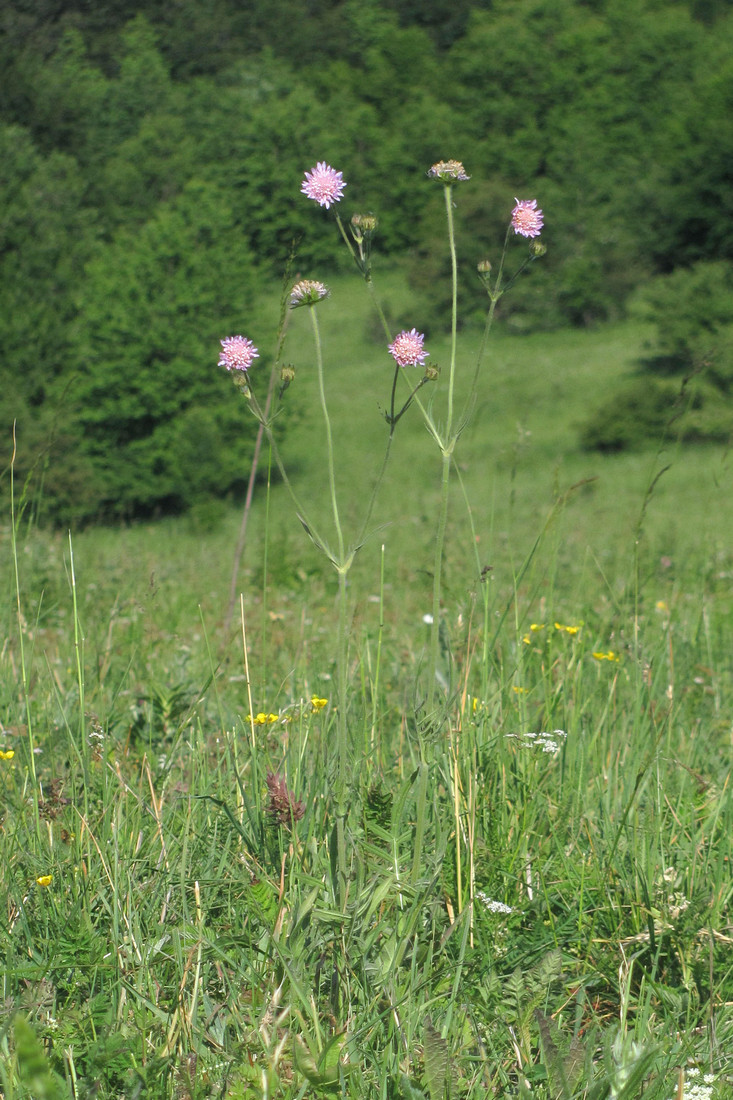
<point x="448" y="171"/>
<point x="307" y="292"/>
<point x="282" y="805"/>
<point x="526" y="218"/>
<point x="237" y="353"/>
<point x="323" y="184"/>
<point x="407" y="349"/>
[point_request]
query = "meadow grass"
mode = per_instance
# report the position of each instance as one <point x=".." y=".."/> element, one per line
<point x="540" y="907"/>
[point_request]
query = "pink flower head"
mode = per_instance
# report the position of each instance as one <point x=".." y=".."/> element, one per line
<point x="323" y="184"/>
<point x="526" y="218"/>
<point x="237" y="353"/>
<point x="407" y="349"/>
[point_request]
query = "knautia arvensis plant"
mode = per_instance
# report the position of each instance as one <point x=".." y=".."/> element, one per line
<point x="325" y="186"/>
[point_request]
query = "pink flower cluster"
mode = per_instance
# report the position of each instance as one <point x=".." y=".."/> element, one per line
<point x="323" y="184"/>
<point x="407" y="349"/>
<point x="237" y="353"/>
<point x="526" y="218"/>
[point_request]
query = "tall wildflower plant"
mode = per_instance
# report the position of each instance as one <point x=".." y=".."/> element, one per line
<point x="325" y="186"/>
<point x="527" y="221"/>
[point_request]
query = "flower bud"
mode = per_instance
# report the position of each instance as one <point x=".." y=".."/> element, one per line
<point x="240" y="382"/>
<point x="287" y="374"/>
<point x="363" y="224"/>
<point x="484" y="267"/>
<point x="432" y="372"/>
<point x="537" y="249"/>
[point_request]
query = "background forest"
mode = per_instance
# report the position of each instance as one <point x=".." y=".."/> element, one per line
<point x="151" y="158"/>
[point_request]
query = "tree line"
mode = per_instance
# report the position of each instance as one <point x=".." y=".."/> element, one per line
<point x="150" y="172"/>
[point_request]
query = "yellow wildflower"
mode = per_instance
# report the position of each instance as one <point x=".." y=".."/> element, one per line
<point x="318" y="704"/>
<point x="567" y="629"/>
<point x="7" y="755"/>
<point x="536" y="626"/>
<point x="609" y="656"/>
<point x="520" y="691"/>
<point x="44" y="880"/>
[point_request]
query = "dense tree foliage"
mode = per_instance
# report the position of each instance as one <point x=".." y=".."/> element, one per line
<point x="151" y="164"/>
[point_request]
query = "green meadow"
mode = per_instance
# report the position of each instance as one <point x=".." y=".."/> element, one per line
<point x="539" y="879"/>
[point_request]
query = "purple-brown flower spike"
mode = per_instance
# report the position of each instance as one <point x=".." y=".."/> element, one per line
<point x="526" y="218"/>
<point x="407" y="349"/>
<point x="323" y="184"/>
<point x="282" y="805"/>
<point x="237" y="353"/>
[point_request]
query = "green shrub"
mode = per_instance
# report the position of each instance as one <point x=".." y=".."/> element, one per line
<point x="690" y="309"/>
<point x="685" y="390"/>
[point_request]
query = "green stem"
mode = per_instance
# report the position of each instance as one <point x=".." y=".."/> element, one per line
<point x="329" y="439"/>
<point x="437" y="570"/>
<point x="454" y="307"/>
<point x="343" y="742"/>
<point x="347" y="242"/>
<point x="447" y="452"/>
<point x="342" y="566"/>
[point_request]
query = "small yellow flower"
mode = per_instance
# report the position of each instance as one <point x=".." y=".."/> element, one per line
<point x="44" y="880"/>
<point x="661" y="606"/>
<point x="7" y="755"/>
<point x="520" y="691"/>
<point x="527" y="640"/>
<point x="609" y="656"/>
<point x="536" y="626"/>
<point x="318" y="704"/>
<point x="567" y="629"/>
